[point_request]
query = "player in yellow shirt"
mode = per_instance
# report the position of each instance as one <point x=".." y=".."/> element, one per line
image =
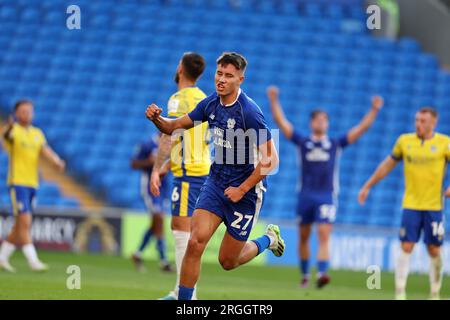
<point x="425" y="155"/>
<point x="24" y="144"/>
<point x="189" y="157"/>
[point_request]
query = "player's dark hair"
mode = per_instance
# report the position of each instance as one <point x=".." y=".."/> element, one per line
<point x="429" y="110"/>
<point x="193" y="65"/>
<point x="21" y="102"/>
<point x="236" y="59"/>
<point x="316" y="113"/>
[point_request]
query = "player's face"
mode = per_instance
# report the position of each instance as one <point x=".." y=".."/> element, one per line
<point x="228" y="79"/>
<point x="425" y="123"/>
<point x="24" y="114"/>
<point x="319" y="125"/>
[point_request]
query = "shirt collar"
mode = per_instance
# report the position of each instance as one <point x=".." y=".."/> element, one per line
<point x="325" y="138"/>
<point x="230" y="104"/>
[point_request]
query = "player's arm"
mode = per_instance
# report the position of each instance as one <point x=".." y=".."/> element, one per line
<point x="381" y="172"/>
<point x="163" y="154"/>
<point x="51" y="156"/>
<point x="166" y="125"/>
<point x="447" y="192"/>
<point x="277" y="112"/>
<point x="268" y="162"/>
<point x="356" y="132"/>
<point x="6" y="134"/>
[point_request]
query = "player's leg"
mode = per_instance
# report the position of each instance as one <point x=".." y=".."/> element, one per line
<point x="239" y="219"/>
<point x="235" y="251"/>
<point x="158" y="231"/>
<point x="304" y="252"/>
<point x="325" y="215"/>
<point x="323" y="254"/>
<point x="9" y="245"/>
<point x="181" y="230"/>
<point x="28" y="249"/>
<point x="137" y="255"/>
<point x="184" y="196"/>
<point x="305" y="213"/>
<point x="203" y="225"/>
<point x="409" y="234"/>
<point x="434" y="232"/>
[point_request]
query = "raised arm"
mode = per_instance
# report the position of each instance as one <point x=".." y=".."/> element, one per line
<point x="52" y="157"/>
<point x="166" y="125"/>
<point x="366" y="122"/>
<point x="6" y="134"/>
<point x="277" y="112"/>
<point x="268" y="162"/>
<point x="382" y="171"/>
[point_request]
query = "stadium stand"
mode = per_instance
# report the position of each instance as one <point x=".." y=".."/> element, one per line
<point x="91" y="86"/>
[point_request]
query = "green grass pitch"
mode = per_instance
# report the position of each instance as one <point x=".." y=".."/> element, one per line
<point x="108" y="277"/>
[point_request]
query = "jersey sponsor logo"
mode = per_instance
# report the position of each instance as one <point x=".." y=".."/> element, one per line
<point x="317" y="155"/>
<point x="212" y="116"/>
<point x="218" y="139"/>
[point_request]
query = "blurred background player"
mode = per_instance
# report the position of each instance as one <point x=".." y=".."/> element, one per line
<point x="425" y="155"/>
<point x="233" y="192"/>
<point x="189" y="158"/>
<point x="24" y="144"/>
<point x="144" y="160"/>
<point x="317" y="197"/>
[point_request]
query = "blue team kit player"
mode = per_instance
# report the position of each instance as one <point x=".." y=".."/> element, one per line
<point x="143" y="159"/>
<point x="244" y="154"/>
<point x="319" y="178"/>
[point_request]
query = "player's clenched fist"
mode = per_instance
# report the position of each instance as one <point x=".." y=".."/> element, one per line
<point x="377" y="102"/>
<point x="272" y="93"/>
<point x="234" y="194"/>
<point x="153" y="112"/>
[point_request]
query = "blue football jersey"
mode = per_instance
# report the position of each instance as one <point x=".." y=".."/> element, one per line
<point x="144" y="150"/>
<point x="319" y="162"/>
<point x="236" y="130"/>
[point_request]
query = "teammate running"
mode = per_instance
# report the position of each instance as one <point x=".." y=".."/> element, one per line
<point x="189" y="158"/>
<point x="24" y="144"/>
<point x="244" y="154"/>
<point x="317" y="197"/>
<point x="143" y="160"/>
<point x="425" y="155"/>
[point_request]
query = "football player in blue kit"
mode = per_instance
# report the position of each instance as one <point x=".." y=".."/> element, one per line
<point x="143" y="160"/>
<point x="319" y="180"/>
<point x="244" y="154"/>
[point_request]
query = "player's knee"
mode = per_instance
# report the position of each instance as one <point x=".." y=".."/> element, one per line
<point x="195" y="246"/>
<point x="434" y="251"/>
<point x="407" y="247"/>
<point x="227" y="264"/>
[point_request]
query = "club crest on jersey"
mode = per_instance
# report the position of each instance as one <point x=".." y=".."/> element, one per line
<point x="433" y="148"/>
<point x="212" y="116"/>
<point x="231" y="123"/>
